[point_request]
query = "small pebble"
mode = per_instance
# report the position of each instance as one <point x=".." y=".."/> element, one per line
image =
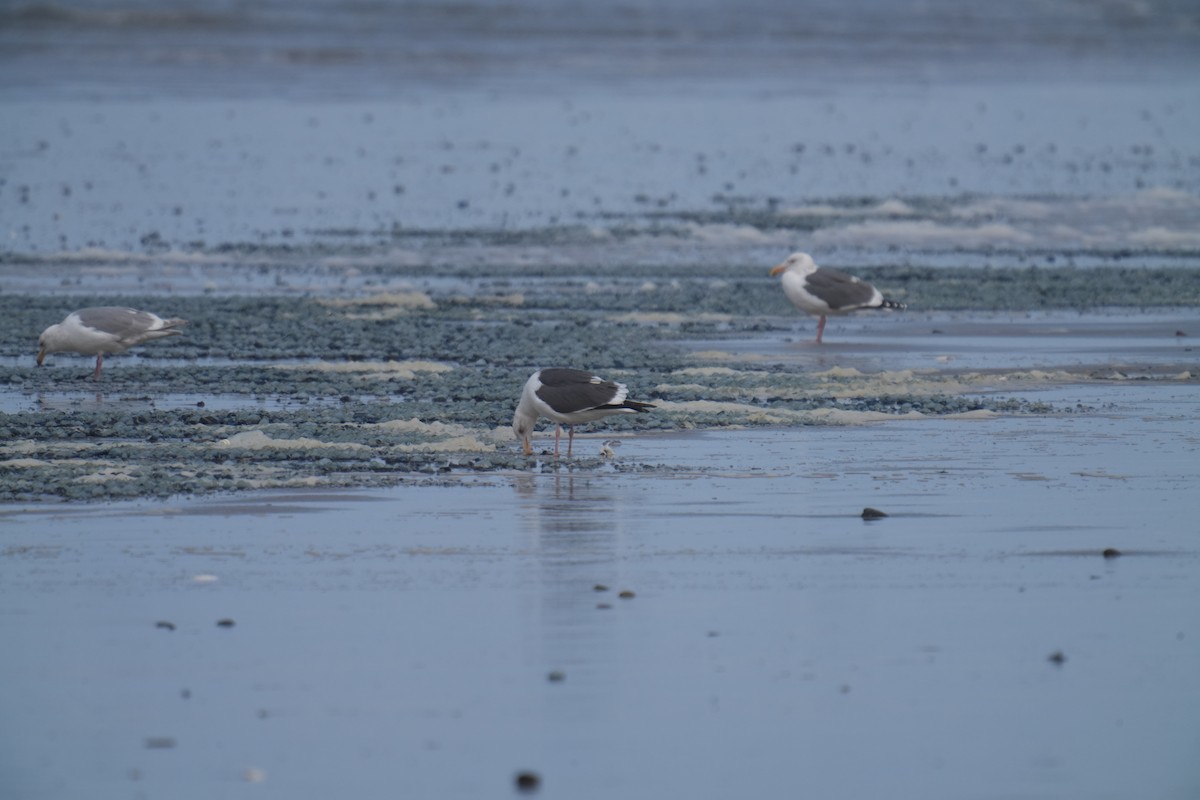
<point x="556" y="676"/>
<point x="167" y="626"/>
<point x="528" y="781"/>
<point x="600" y="587"/>
<point x="205" y="579"/>
<point x="873" y="513"/>
<point x="627" y="595"/>
<point x="159" y="742"/>
<point x="254" y="775"/>
<point x="1111" y="552"/>
<point x="225" y="623"/>
<point x="603" y="605"/>
<point x="1056" y="657"/>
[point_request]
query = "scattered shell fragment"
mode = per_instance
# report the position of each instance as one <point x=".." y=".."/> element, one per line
<point x="872" y="513"/>
<point x="527" y="781"/>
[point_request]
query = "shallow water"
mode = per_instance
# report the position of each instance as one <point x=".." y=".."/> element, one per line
<point x="1097" y="343"/>
<point x="411" y="631"/>
<point x="746" y="173"/>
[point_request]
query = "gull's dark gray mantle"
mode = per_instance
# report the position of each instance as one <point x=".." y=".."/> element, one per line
<point x="569" y="397"/>
<point x="569" y="391"/>
<point x="842" y="291"/>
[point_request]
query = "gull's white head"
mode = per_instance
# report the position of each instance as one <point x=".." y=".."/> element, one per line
<point x="523" y="428"/>
<point x="800" y="263"/>
<point x="48" y="342"/>
<point x="526" y="416"/>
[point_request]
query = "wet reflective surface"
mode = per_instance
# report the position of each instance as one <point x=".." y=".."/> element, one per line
<point x="1024" y="622"/>
<point x="774" y="638"/>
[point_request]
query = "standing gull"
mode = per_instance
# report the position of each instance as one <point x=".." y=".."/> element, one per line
<point x="823" y="291"/>
<point x="104" y="329"/>
<point x="568" y="397"/>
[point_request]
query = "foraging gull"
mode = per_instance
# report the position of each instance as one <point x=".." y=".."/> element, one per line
<point x="823" y="291"/>
<point x="104" y="329"/>
<point x="568" y="397"/>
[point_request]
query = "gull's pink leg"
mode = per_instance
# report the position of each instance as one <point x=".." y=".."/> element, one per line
<point x="820" y="328"/>
<point x="99" y="364"/>
<point x="557" y="433"/>
<point x="570" y="439"/>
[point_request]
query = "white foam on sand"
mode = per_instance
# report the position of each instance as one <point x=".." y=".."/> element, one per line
<point x="385" y="305"/>
<point x="1157" y="218"/>
<point x="390" y="369"/>
<point x="721" y="355"/>
<point x="1161" y="238"/>
<point x="447" y="436"/>
<point x="97" y="466"/>
<point x="887" y="208"/>
<point x="103" y="255"/>
<point x="107" y="474"/>
<point x="669" y="318"/>
<point x="257" y="440"/>
<point x="922" y="233"/>
<point x="713" y="372"/>
<point x="725" y="234"/>
<point x="512" y="300"/>
<point x="24" y="446"/>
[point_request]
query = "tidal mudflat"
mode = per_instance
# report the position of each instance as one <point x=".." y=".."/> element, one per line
<point x="630" y="625"/>
<point x="296" y="553"/>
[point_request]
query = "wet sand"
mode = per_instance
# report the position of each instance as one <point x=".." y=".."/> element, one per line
<point x="404" y="637"/>
<point x="442" y="630"/>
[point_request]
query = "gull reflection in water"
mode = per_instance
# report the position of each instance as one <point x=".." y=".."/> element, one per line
<point x="63" y="401"/>
<point x="573" y="526"/>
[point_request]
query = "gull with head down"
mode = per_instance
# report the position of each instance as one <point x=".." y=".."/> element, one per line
<point x="569" y="397"/>
<point x="104" y="329"/>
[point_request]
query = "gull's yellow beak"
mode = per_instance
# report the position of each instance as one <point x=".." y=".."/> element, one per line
<point x="41" y="356"/>
<point x="778" y="268"/>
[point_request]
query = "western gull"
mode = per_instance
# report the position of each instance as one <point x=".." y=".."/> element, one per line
<point x="823" y="291"/>
<point x="569" y="397"/>
<point x="104" y="329"/>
